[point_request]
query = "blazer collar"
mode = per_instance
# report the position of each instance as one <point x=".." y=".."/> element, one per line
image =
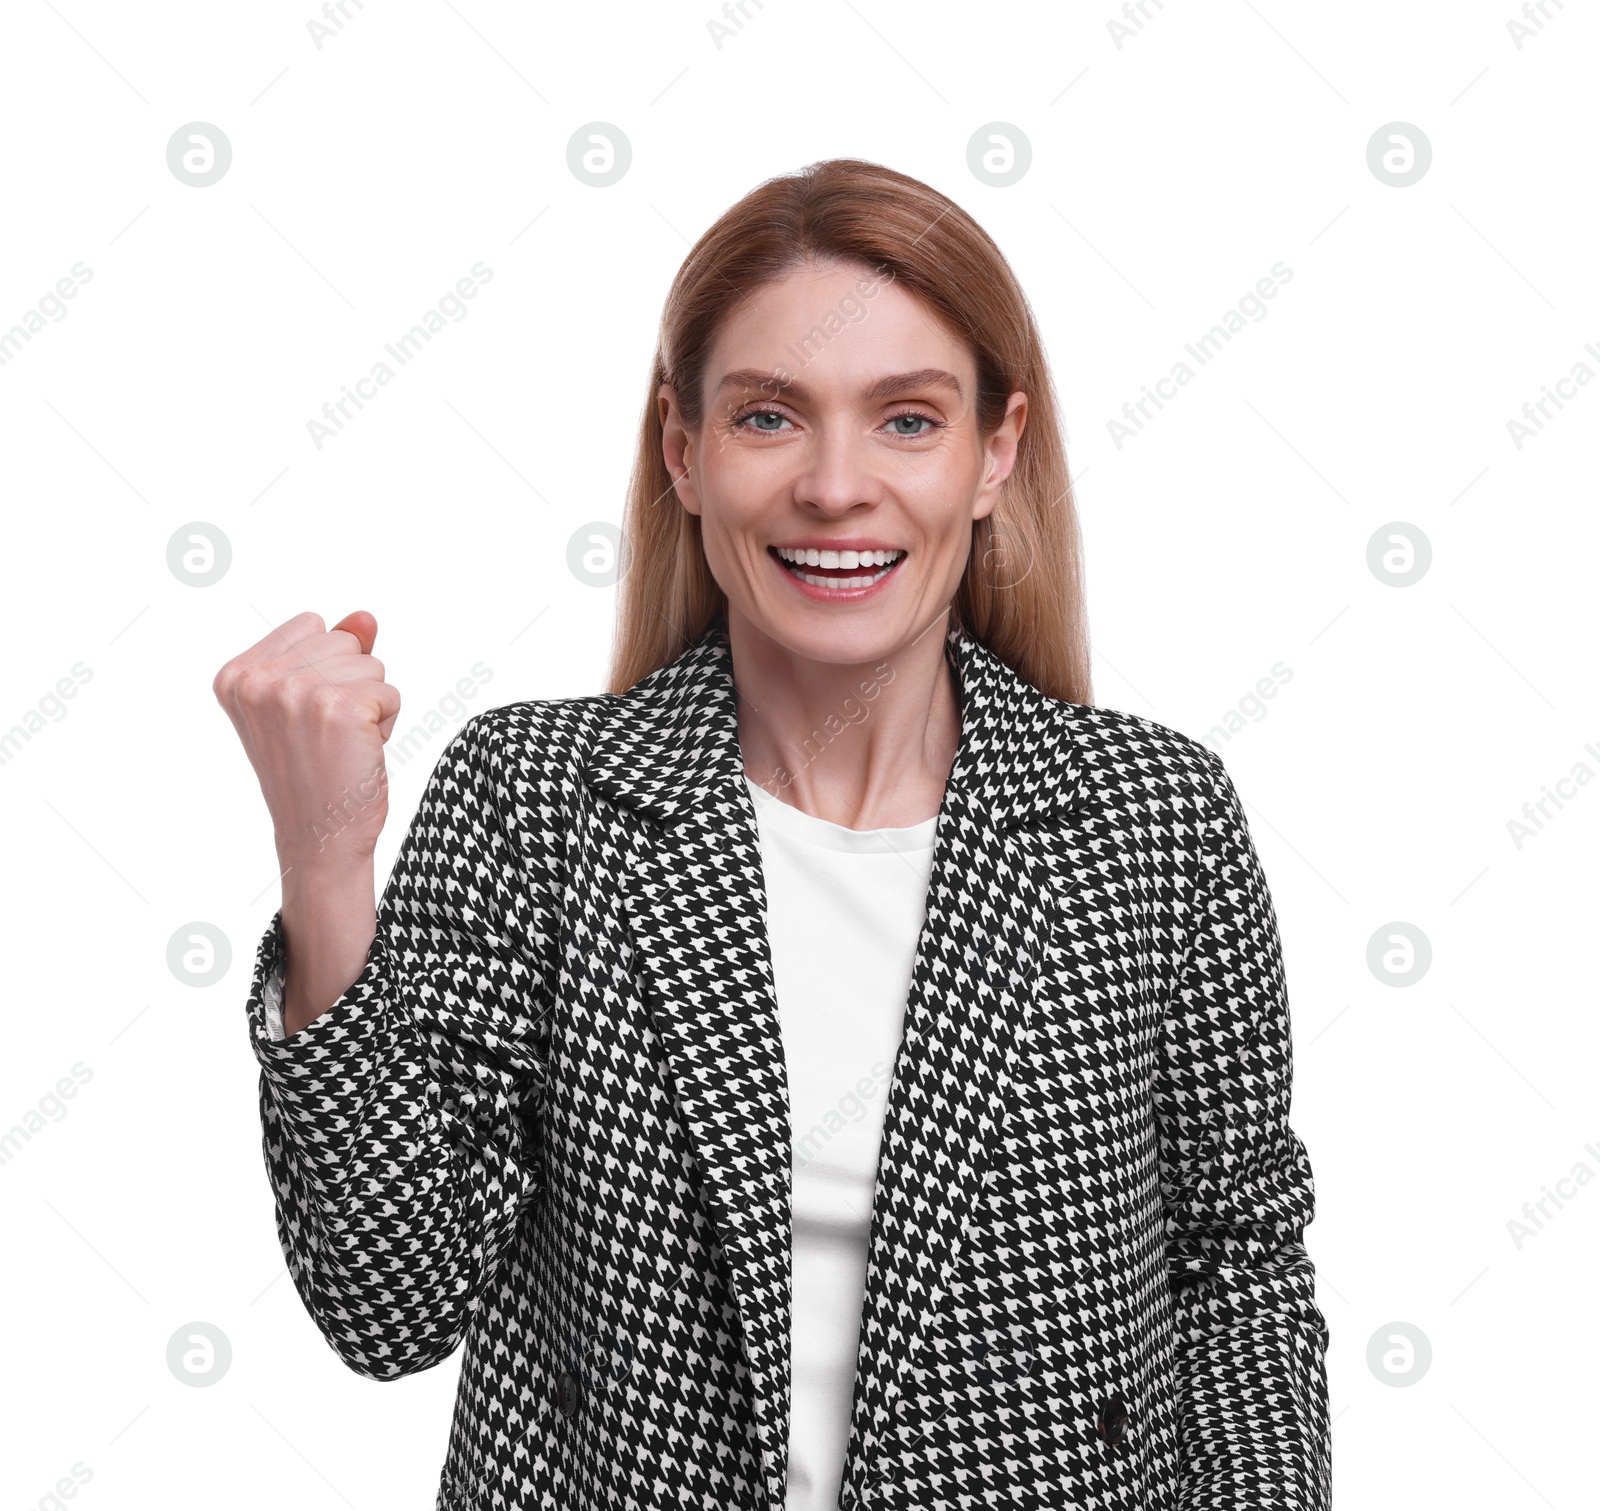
<point x="672" y="739"/>
<point x="694" y="900"/>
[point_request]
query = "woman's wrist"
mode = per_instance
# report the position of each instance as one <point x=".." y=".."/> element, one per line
<point x="329" y="920"/>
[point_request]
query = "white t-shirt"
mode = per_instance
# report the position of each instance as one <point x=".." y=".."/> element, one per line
<point x="844" y="910"/>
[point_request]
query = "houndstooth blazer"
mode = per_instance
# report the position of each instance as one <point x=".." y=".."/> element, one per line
<point x="550" y="1120"/>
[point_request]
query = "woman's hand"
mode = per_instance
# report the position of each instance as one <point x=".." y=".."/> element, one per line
<point x="313" y="711"/>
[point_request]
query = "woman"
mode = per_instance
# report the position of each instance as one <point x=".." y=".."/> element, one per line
<point x="840" y="1065"/>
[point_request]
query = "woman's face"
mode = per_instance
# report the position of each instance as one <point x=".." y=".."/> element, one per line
<point x="840" y="416"/>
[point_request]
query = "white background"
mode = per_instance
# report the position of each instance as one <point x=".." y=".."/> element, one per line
<point x="1230" y="535"/>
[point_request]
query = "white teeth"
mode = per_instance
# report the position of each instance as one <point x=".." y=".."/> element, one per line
<point x="796" y="558"/>
<point x="844" y="560"/>
<point x="842" y="582"/>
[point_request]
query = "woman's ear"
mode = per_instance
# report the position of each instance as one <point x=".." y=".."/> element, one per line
<point x="1000" y="451"/>
<point x="677" y="448"/>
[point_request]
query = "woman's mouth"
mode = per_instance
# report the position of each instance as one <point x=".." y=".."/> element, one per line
<point x="837" y="571"/>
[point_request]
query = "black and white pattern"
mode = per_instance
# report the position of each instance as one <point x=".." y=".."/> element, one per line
<point x="550" y="1119"/>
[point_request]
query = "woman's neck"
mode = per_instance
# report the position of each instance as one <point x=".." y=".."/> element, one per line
<point x="863" y="743"/>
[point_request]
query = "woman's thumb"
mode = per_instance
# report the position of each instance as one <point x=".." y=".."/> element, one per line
<point x="363" y="626"/>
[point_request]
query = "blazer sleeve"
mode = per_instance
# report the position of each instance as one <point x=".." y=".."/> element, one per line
<point x="399" y="1127"/>
<point x="1237" y="1192"/>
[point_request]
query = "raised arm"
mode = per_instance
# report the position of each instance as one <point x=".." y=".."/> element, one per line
<point x="399" y="1124"/>
<point x="399" y="1127"/>
<point x="1238" y="1192"/>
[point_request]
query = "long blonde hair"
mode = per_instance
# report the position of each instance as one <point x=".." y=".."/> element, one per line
<point x="1022" y="593"/>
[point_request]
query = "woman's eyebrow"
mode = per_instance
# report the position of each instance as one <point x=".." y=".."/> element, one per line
<point x="879" y="388"/>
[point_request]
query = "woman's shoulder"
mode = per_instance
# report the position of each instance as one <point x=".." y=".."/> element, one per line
<point x="535" y="741"/>
<point x="1116" y="740"/>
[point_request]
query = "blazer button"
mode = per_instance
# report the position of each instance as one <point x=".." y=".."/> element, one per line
<point x="567" y="1394"/>
<point x="1112" y="1420"/>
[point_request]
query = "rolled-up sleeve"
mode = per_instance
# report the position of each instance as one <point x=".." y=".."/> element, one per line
<point x="398" y="1127"/>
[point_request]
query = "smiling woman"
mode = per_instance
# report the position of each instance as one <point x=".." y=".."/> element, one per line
<point x="936" y="366"/>
<point x="557" y="1099"/>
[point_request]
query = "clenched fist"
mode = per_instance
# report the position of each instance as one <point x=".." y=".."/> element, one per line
<point x="313" y="710"/>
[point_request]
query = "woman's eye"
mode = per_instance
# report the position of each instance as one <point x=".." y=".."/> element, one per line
<point x="767" y="414"/>
<point x="742" y="421"/>
<point x="904" y="425"/>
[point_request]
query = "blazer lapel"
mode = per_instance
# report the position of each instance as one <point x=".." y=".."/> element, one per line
<point x="977" y="963"/>
<point x="696" y="904"/>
